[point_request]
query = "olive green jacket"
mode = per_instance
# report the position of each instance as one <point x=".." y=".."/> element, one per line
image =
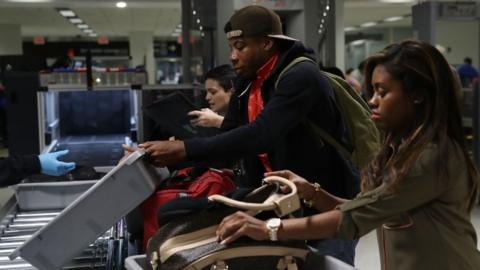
<point x="424" y="223"/>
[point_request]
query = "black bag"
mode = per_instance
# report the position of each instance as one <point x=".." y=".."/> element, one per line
<point x="187" y="239"/>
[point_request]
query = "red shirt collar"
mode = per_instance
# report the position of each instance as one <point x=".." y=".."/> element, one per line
<point x="266" y="69"/>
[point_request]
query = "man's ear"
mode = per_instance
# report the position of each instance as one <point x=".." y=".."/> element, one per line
<point x="268" y="44"/>
<point x="418" y="98"/>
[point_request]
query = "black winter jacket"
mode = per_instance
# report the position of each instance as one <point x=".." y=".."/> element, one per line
<point x="302" y="93"/>
<point x="14" y="169"/>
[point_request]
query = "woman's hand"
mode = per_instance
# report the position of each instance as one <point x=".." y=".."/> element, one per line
<point x="305" y="189"/>
<point x="206" y="118"/>
<point x="241" y="224"/>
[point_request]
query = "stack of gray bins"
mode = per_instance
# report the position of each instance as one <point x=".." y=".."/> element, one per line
<point x="89" y="233"/>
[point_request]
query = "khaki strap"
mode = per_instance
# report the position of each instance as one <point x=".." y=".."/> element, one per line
<point x="283" y="205"/>
<point x="187" y="241"/>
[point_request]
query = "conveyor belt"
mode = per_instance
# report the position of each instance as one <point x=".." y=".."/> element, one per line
<point x="97" y="150"/>
<point x="18" y="227"/>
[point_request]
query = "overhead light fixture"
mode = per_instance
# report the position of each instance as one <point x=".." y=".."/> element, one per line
<point x="368" y="24"/>
<point x="29" y="1"/>
<point x="88" y="31"/>
<point x="82" y="26"/>
<point x="357" y="42"/>
<point x="92" y="34"/>
<point x="200" y="28"/>
<point x="75" y="20"/>
<point x="397" y="1"/>
<point x="348" y="29"/>
<point x="194" y="12"/>
<point x="393" y="19"/>
<point x="121" y="4"/>
<point x="198" y="21"/>
<point x="66" y="13"/>
<point x="175" y="34"/>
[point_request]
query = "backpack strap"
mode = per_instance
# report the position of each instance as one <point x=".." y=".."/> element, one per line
<point x="315" y="129"/>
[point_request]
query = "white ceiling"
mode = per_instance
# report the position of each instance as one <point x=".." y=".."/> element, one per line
<point x="159" y="16"/>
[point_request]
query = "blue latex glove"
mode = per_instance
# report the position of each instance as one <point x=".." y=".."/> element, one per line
<point x="52" y="166"/>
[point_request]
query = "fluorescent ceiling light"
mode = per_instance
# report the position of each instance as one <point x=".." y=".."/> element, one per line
<point x="82" y="26"/>
<point x="175" y="34"/>
<point x="75" y="20"/>
<point x="393" y="19"/>
<point x="351" y="28"/>
<point x="368" y="24"/>
<point x="92" y="34"/>
<point x="67" y="13"/>
<point x="357" y="42"/>
<point x="121" y="5"/>
<point x="29" y="1"/>
<point x="397" y="1"/>
<point x="88" y="31"/>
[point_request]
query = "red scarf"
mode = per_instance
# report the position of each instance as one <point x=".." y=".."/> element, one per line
<point x="255" y="101"/>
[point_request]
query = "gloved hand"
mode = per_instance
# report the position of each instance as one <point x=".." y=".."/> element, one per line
<point x="52" y="166"/>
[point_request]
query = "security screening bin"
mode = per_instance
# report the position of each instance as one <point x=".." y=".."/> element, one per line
<point x="315" y="262"/>
<point x="49" y="195"/>
<point x="92" y="213"/>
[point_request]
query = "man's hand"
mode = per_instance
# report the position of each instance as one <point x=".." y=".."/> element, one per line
<point x="165" y="153"/>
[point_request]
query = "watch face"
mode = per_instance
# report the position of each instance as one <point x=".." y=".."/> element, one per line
<point x="274" y="223"/>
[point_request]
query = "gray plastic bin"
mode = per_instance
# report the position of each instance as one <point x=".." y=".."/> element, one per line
<point x="137" y="262"/>
<point x="50" y="195"/>
<point x="90" y="215"/>
<point x="315" y="262"/>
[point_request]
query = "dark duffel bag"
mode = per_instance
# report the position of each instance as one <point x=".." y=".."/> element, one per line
<point x="187" y="238"/>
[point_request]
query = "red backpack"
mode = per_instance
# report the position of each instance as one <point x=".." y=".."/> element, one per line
<point x="187" y="182"/>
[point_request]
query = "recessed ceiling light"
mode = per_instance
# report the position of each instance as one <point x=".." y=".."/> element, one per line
<point x="368" y="24"/>
<point x="348" y="29"/>
<point x="121" y="4"/>
<point x="88" y="31"/>
<point x="82" y="26"/>
<point x="66" y="13"/>
<point x="75" y="20"/>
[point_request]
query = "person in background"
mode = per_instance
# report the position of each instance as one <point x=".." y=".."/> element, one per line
<point x="14" y="169"/>
<point x="352" y="81"/>
<point x="419" y="190"/>
<point x="265" y="121"/>
<point x="467" y="72"/>
<point x="219" y="87"/>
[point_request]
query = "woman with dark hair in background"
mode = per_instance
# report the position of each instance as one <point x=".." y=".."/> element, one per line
<point x="219" y="86"/>
<point x="419" y="190"/>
